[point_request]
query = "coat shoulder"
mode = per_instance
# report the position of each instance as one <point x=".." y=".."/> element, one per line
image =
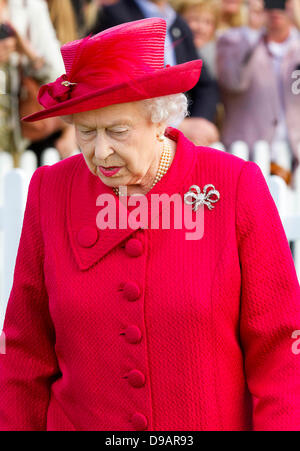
<point x="220" y="161"/>
<point x="60" y="174"/>
<point x="64" y="166"/>
<point x="231" y="173"/>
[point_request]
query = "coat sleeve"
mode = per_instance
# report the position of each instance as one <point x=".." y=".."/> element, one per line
<point x="270" y="306"/>
<point x="29" y="365"/>
<point x="234" y="61"/>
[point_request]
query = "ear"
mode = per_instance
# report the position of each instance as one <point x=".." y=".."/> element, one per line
<point x="160" y="131"/>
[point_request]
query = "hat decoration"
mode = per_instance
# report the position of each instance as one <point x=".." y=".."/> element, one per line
<point x="59" y="91"/>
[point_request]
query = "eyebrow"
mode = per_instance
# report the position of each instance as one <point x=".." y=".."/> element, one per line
<point x="125" y="121"/>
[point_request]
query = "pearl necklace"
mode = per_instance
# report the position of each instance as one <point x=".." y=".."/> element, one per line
<point x="163" y="167"/>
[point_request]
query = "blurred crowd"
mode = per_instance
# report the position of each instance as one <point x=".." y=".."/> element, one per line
<point x="248" y="89"/>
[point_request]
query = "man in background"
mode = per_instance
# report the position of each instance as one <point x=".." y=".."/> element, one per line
<point x="255" y="70"/>
<point x="180" y="48"/>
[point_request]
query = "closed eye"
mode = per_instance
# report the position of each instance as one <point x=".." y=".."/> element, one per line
<point x="87" y="132"/>
<point x="118" y="131"/>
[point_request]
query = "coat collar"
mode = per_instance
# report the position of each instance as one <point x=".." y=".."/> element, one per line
<point x="89" y="244"/>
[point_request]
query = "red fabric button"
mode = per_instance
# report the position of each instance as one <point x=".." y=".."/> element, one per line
<point x="131" y="291"/>
<point x="136" y="378"/>
<point x="139" y="421"/>
<point x="87" y="236"/>
<point x="133" y="334"/>
<point x="134" y="248"/>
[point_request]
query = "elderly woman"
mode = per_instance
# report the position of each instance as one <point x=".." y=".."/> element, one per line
<point x="121" y="325"/>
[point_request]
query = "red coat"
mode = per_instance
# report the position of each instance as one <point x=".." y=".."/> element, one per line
<point x="131" y="330"/>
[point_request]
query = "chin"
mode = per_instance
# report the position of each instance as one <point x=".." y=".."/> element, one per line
<point x="200" y="42"/>
<point x="113" y="182"/>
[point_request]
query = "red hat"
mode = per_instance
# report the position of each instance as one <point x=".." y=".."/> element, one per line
<point x="122" y="64"/>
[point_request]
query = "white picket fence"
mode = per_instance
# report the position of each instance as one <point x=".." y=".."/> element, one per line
<point x="14" y="186"/>
<point x="13" y="194"/>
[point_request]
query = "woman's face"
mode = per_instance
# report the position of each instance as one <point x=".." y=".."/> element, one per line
<point x="277" y="20"/>
<point x="202" y="24"/>
<point x="119" y="136"/>
<point x="230" y="7"/>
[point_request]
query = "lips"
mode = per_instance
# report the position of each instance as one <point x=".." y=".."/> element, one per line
<point x="109" y="167"/>
<point x="109" y="171"/>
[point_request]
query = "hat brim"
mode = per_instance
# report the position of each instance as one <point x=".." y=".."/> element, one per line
<point x="167" y="81"/>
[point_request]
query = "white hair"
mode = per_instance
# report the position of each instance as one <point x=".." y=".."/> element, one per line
<point x="171" y="109"/>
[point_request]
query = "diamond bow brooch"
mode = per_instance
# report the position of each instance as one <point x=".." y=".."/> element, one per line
<point x="198" y="198"/>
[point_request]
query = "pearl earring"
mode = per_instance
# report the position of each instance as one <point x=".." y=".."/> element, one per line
<point x="160" y="137"/>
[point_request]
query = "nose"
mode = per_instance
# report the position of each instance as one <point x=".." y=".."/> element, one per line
<point x="103" y="148"/>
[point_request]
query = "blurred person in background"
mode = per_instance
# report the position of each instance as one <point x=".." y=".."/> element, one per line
<point x="233" y="14"/>
<point x="255" y="68"/>
<point x="63" y="20"/>
<point x="28" y="44"/>
<point x="89" y="14"/>
<point x="78" y="6"/>
<point x="256" y="18"/>
<point x="86" y="13"/>
<point x="200" y="127"/>
<point x="293" y="7"/>
<point x="202" y="16"/>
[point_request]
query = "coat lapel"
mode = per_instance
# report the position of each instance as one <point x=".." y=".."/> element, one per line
<point x="88" y="242"/>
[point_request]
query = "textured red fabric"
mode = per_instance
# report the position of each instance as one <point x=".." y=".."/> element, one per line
<point x="215" y="315"/>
